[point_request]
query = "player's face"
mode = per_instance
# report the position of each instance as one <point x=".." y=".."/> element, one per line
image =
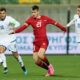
<point x="35" y="13"/>
<point x="2" y="14"/>
<point x="78" y="11"/>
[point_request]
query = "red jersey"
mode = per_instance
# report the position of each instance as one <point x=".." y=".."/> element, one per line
<point x="39" y="26"/>
<point x="39" y="30"/>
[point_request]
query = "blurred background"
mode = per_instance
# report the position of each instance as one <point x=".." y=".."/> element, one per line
<point x="61" y="11"/>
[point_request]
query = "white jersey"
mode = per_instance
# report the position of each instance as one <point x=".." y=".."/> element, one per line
<point x="76" y="21"/>
<point x="5" y="26"/>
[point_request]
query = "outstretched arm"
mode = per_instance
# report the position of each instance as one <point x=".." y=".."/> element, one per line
<point x="14" y="23"/>
<point x="51" y="21"/>
<point x="60" y="26"/>
<point x="20" y="29"/>
<point x="71" y="22"/>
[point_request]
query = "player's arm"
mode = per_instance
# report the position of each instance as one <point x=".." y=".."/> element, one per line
<point x="23" y="27"/>
<point x="15" y="23"/>
<point x="70" y="23"/>
<point x="60" y="26"/>
<point x="26" y="24"/>
<point x="51" y="21"/>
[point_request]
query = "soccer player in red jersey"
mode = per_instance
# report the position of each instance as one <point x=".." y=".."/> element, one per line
<point x="40" y="43"/>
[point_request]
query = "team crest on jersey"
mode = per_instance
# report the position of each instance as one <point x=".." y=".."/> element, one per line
<point x="45" y="20"/>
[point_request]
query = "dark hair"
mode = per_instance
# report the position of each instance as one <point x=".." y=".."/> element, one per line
<point x="3" y="9"/>
<point x="78" y="6"/>
<point x="35" y="7"/>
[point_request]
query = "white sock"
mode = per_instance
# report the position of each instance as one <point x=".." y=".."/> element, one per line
<point x="3" y="57"/>
<point x="20" y="61"/>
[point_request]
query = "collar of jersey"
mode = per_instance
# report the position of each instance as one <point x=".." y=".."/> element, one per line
<point x="38" y="17"/>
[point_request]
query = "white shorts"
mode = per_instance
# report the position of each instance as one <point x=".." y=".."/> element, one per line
<point x="11" y="46"/>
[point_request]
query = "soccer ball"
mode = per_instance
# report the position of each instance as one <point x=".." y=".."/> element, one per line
<point x="1" y="61"/>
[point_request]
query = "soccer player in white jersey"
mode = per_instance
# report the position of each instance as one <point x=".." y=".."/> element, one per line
<point x="76" y="21"/>
<point x="7" y="24"/>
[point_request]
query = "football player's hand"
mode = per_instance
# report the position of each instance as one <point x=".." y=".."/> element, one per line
<point x="11" y="33"/>
<point x="12" y="28"/>
<point x="64" y="32"/>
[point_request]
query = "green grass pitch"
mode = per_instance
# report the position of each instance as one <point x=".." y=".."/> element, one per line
<point x="67" y="67"/>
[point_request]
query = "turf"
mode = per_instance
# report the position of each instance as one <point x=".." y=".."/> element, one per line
<point x="67" y="67"/>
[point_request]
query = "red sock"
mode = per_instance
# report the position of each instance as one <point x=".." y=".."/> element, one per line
<point x="43" y="65"/>
<point x="46" y="60"/>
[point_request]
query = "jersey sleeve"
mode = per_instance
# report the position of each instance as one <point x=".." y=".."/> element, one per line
<point x="14" y="22"/>
<point x="71" y="22"/>
<point x="50" y="21"/>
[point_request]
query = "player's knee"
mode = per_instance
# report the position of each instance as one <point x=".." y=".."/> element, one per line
<point x="15" y="54"/>
<point x="16" y="57"/>
<point x="40" y="55"/>
<point x="2" y="49"/>
<point x="36" y="61"/>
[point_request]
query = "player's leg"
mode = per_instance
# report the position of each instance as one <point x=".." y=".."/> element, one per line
<point x="19" y="59"/>
<point x="12" y="47"/>
<point x="3" y="57"/>
<point x="38" y="61"/>
<point x="42" y="56"/>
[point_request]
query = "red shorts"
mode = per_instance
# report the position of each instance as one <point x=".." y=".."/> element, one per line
<point x="40" y="44"/>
